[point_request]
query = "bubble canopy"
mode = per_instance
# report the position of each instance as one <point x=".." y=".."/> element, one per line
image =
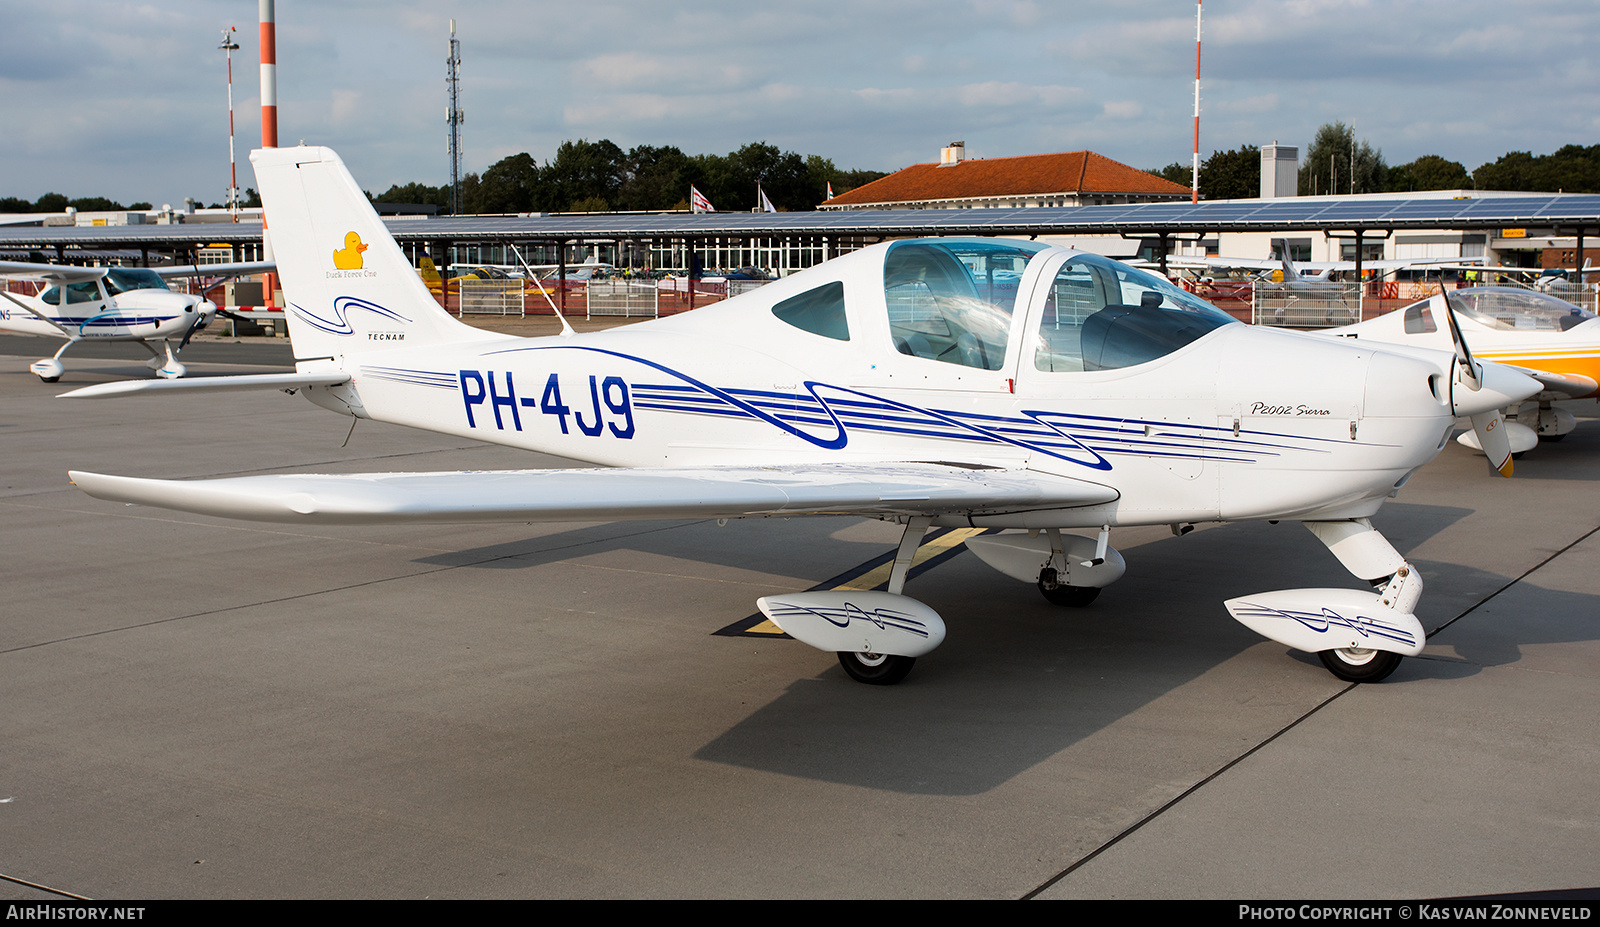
<point x="954" y="301"/>
<point x="1508" y="308"/>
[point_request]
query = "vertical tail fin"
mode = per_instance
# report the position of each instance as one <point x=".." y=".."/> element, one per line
<point x="347" y="285"/>
<point x="1290" y="275"/>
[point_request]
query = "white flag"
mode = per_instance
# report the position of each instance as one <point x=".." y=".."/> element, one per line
<point x="698" y="201"/>
<point x="766" y="204"/>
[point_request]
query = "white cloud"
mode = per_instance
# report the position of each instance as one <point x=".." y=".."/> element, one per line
<point x="140" y="104"/>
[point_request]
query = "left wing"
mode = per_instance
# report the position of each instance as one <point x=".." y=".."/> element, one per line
<point x="597" y="495"/>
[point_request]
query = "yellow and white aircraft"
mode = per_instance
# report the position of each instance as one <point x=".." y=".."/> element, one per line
<point x="1546" y="337"/>
<point x="111" y="304"/>
<point x="978" y="383"/>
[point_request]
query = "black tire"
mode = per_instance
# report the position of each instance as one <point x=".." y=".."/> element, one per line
<point x="1551" y="438"/>
<point x="1518" y="455"/>
<point x="49" y="379"/>
<point x="876" y="669"/>
<point x="1357" y="665"/>
<point x="1070" y="596"/>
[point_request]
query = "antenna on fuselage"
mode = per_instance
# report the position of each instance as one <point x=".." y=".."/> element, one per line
<point x="566" y="330"/>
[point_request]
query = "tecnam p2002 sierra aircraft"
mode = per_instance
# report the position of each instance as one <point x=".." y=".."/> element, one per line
<point x="986" y="383"/>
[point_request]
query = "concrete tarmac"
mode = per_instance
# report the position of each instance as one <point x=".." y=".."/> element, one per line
<point x="199" y="708"/>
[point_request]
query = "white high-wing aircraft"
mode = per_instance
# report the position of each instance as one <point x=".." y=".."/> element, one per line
<point x="1550" y="339"/>
<point x="111" y="304"/>
<point x="988" y="383"/>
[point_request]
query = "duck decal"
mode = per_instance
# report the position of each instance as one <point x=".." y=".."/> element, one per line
<point x="349" y="257"/>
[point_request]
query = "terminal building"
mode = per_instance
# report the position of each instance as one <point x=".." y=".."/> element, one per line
<point x="1070" y="178"/>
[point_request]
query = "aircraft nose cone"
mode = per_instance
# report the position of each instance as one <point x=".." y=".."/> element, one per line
<point x="1501" y="386"/>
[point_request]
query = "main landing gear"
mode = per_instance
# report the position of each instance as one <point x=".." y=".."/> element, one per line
<point x="877" y="635"/>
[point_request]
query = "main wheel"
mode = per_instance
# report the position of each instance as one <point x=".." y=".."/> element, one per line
<point x="876" y="669"/>
<point x="1358" y="664"/>
<point x="1063" y="594"/>
<point x="49" y="379"/>
<point x="1551" y="438"/>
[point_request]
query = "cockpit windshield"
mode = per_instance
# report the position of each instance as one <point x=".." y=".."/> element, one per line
<point x="1509" y="308"/>
<point x="952" y="301"/>
<point x="1103" y="315"/>
<point x="123" y="279"/>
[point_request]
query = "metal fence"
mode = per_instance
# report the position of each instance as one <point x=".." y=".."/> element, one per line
<point x="490" y="297"/>
<point x="624" y="298"/>
<point x="1306" y="306"/>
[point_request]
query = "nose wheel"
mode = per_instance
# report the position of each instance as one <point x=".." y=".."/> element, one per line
<point x="1359" y="664"/>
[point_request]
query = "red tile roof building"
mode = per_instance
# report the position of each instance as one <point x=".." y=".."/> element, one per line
<point x="1071" y="178"/>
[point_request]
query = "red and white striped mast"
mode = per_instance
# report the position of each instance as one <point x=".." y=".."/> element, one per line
<point x="269" y="125"/>
<point x="269" y="76"/>
<point x="1194" y="193"/>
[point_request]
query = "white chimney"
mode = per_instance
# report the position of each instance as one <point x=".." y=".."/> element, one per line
<point x="1280" y="171"/>
<point x="955" y="153"/>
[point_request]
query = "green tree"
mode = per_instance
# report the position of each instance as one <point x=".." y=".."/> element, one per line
<point x="511" y="184"/>
<point x="581" y="170"/>
<point x="1336" y="163"/>
<point x="50" y="202"/>
<point x="1569" y="169"/>
<point x="408" y="193"/>
<point x="656" y="178"/>
<point x="1234" y="174"/>
<point x="1177" y="172"/>
<point x="94" y="204"/>
<point x="1429" y="172"/>
<point x="781" y="174"/>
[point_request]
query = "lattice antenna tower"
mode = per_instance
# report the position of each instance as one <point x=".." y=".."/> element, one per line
<point x="454" y="117"/>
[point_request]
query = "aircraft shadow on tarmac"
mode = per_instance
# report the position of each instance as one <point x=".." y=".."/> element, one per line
<point x="1022" y="680"/>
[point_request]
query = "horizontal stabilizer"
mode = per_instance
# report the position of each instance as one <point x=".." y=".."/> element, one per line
<point x="597" y="495"/>
<point x="211" y="384"/>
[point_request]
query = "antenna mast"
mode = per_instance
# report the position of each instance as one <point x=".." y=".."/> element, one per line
<point x="230" y="46"/>
<point x="454" y="117"/>
<point x="1194" y="194"/>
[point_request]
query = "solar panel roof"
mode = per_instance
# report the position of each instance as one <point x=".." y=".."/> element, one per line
<point x="1282" y="215"/>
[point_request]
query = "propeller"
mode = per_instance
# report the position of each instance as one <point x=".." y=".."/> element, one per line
<point x="201" y="318"/>
<point x="1487" y="424"/>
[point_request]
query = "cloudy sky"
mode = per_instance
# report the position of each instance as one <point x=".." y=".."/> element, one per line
<point x="128" y="100"/>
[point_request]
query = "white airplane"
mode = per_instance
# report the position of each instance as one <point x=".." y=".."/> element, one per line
<point x="1552" y="340"/>
<point x="111" y="304"/>
<point x="979" y="383"/>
